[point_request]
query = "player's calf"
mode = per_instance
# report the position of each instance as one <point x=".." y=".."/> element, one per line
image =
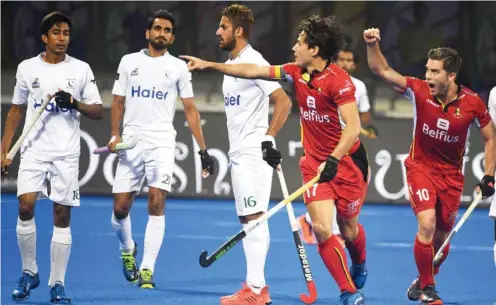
<point x="25" y="284"/>
<point x="57" y="294"/>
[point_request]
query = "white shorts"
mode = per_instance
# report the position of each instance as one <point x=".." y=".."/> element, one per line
<point x="156" y="164"/>
<point x="61" y="172"/>
<point x="251" y="181"/>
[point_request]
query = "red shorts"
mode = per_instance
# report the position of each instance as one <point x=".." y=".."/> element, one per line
<point x="348" y="188"/>
<point x="435" y="190"/>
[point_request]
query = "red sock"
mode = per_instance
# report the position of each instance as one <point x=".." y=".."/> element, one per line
<point x="424" y="255"/>
<point x="334" y="258"/>
<point x="445" y="255"/>
<point x="356" y="248"/>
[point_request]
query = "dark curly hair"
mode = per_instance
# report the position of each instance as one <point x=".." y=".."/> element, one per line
<point x="325" y="33"/>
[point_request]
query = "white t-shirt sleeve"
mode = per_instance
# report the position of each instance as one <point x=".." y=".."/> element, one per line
<point x="120" y="83"/>
<point x="184" y="84"/>
<point x="362" y="98"/>
<point x="21" y="90"/>
<point x="266" y="86"/>
<point x="90" y="93"/>
<point x="492" y="105"/>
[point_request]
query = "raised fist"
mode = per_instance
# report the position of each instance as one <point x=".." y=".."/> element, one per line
<point x="372" y="36"/>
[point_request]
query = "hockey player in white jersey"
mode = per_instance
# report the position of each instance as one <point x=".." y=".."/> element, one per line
<point x="149" y="82"/>
<point x="347" y="60"/>
<point x="251" y="141"/>
<point x="51" y="149"/>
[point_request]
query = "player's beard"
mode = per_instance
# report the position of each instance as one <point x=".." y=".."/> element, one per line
<point x="158" y="45"/>
<point x="229" y="46"/>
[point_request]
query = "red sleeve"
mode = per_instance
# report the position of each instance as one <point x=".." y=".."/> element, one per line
<point x="413" y="83"/>
<point x="482" y="117"/>
<point x="290" y="70"/>
<point x="343" y="90"/>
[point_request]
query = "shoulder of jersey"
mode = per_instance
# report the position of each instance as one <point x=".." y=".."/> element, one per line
<point x="131" y="56"/>
<point x="470" y="95"/>
<point x="178" y="61"/>
<point x="253" y="56"/>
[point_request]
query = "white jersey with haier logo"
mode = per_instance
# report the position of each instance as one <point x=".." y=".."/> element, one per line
<point x="247" y="104"/>
<point x="56" y="133"/>
<point x="151" y="86"/>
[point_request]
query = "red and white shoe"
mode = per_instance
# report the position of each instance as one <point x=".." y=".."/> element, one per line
<point x="246" y="296"/>
<point x="307" y="235"/>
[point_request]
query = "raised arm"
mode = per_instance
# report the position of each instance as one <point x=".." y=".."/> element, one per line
<point x="249" y="71"/>
<point x="378" y="63"/>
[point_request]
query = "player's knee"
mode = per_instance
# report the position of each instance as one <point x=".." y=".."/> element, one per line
<point x="322" y="230"/>
<point x="26" y="210"/>
<point x="61" y="215"/>
<point x="426" y="230"/>
<point x="121" y="210"/>
<point x="156" y="203"/>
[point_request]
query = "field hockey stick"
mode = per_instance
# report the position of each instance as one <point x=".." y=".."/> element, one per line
<point x="300" y="249"/>
<point x="26" y="130"/>
<point x="119" y="146"/>
<point x="460" y="223"/>
<point x="206" y="260"/>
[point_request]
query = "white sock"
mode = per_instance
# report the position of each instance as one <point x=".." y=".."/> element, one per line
<point x="308" y="219"/>
<point x="60" y="251"/>
<point x="26" y="239"/>
<point x="256" y="245"/>
<point x="154" y="235"/>
<point x="123" y="229"/>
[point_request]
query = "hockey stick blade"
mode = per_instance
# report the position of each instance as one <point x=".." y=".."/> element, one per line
<point x="206" y="261"/>
<point x="305" y="267"/>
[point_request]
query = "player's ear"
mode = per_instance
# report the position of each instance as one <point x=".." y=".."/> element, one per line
<point x="147" y="34"/>
<point x="173" y="37"/>
<point x="452" y="76"/>
<point x="239" y="31"/>
<point x="44" y="38"/>
<point x="315" y="51"/>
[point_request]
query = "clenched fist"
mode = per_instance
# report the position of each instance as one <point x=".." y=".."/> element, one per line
<point x="372" y="36"/>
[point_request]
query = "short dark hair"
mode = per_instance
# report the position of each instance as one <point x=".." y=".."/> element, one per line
<point x="240" y="16"/>
<point x="53" y="18"/>
<point x="452" y="62"/>
<point x="325" y="33"/>
<point x="347" y="50"/>
<point x="162" y="14"/>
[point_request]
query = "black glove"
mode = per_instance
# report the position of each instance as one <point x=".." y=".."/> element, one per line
<point x="207" y="161"/>
<point x="487" y="186"/>
<point x="271" y="155"/>
<point x="65" y="100"/>
<point x="372" y="130"/>
<point x="330" y="169"/>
